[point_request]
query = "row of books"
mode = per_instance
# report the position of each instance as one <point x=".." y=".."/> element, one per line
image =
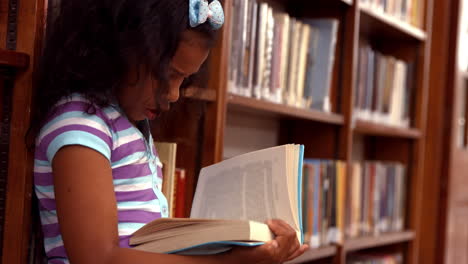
<point x="376" y="199"/>
<point x="323" y="201"/>
<point x="409" y="11"/>
<point x="279" y="58"/>
<point x="396" y="258"/>
<point x="370" y="201"/>
<point x="384" y="88"/>
<point x="174" y="180"/>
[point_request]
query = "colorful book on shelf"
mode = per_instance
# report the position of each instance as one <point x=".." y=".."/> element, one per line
<point x="260" y="63"/>
<point x="384" y="88"/>
<point x="270" y="182"/>
<point x="377" y="194"/>
<point x="281" y="59"/>
<point x="167" y="155"/>
<point x="324" y="193"/>
<point x="375" y="258"/>
<point x="322" y="74"/>
<point x="179" y="210"/>
<point x="311" y="64"/>
<point x="408" y="11"/>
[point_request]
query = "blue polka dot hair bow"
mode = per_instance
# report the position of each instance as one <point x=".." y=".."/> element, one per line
<point x="200" y="12"/>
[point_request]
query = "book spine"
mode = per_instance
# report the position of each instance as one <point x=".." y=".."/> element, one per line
<point x="325" y="204"/>
<point x="260" y="56"/>
<point x="311" y="62"/>
<point x="302" y="64"/>
<point x="284" y="65"/>
<point x="342" y="184"/>
<point x="180" y="196"/>
<point x="252" y="47"/>
<point x="268" y="53"/>
<point x="332" y="203"/>
<point x="315" y="240"/>
<point x="242" y="44"/>
<point x="275" y="77"/>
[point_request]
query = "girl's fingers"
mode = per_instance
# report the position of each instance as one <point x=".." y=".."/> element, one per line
<point x="286" y="237"/>
<point x="298" y="252"/>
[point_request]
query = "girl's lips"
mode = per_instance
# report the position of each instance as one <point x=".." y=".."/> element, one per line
<point x="151" y="114"/>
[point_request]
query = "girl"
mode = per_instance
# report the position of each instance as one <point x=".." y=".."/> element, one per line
<point x="109" y="66"/>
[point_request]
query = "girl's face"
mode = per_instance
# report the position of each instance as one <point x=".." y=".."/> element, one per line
<point x="138" y="99"/>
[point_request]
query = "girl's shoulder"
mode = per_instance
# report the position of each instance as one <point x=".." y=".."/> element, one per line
<point x="75" y="120"/>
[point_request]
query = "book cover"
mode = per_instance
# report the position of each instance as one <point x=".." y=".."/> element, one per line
<point x="252" y="47"/>
<point x="285" y="47"/>
<point x="316" y="204"/>
<point x="325" y="203"/>
<point x="302" y="64"/>
<point x="322" y="74"/>
<point x="179" y="211"/>
<point x="167" y="155"/>
<point x="275" y="78"/>
<point x="262" y="24"/>
<point x="266" y="89"/>
<point x="332" y="202"/>
<point x="311" y="63"/>
<point x="242" y="43"/>
<point x="341" y="194"/>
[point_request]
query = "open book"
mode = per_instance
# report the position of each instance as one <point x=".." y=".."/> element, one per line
<point x="233" y="200"/>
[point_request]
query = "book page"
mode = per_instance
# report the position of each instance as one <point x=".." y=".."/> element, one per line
<point x="253" y="186"/>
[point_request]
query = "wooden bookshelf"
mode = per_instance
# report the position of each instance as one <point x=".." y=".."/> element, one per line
<point x="376" y="129"/>
<point x="315" y="254"/>
<point x="13" y="59"/>
<point x="377" y="22"/>
<point x="283" y="110"/>
<point x="200" y="129"/>
<point x="377" y="241"/>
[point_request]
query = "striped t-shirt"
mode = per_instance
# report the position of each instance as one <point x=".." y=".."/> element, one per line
<point x="136" y="169"/>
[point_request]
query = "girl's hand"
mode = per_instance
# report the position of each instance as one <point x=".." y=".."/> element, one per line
<point x="285" y="247"/>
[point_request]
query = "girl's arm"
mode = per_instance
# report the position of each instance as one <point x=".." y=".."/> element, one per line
<point x="87" y="213"/>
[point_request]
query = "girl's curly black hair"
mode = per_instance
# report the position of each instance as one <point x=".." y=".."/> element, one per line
<point x="92" y="44"/>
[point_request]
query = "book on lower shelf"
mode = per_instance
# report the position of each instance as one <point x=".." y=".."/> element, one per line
<point x="281" y="59"/>
<point x="376" y="200"/>
<point x="323" y="201"/>
<point x="232" y="201"/>
<point x="362" y="258"/>
<point x="167" y="155"/>
<point x="180" y="205"/>
<point x="173" y="183"/>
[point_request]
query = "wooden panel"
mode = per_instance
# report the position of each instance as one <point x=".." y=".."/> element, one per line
<point x="349" y="64"/>
<point x="437" y="141"/>
<point x="3" y="23"/>
<point x="458" y="239"/>
<point x="390" y="149"/>
<point x="247" y="133"/>
<point x="187" y="135"/>
<point x="17" y="223"/>
<point x="459" y="179"/>
<point x="452" y="237"/>
<point x="320" y="140"/>
<point x="216" y="112"/>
